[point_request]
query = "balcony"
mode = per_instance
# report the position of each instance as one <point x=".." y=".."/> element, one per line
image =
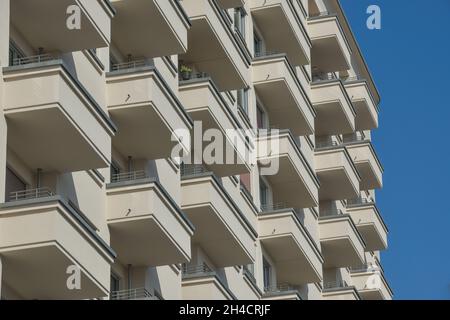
<point x="284" y="98"/>
<point x="56" y="112"/>
<point x="293" y="181"/>
<point x="133" y="294"/>
<point x="331" y="50"/>
<point x="153" y="28"/>
<point x="298" y="261"/>
<point x="371" y="283"/>
<point x="365" y="106"/>
<point x="342" y="245"/>
<point x="202" y="283"/>
<point x="143" y="106"/>
<point x="366" y="162"/>
<point x="229" y="4"/>
<point x="208" y="108"/>
<point x="281" y="292"/>
<point x="214" y="47"/>
<point x="221" y="229"/>
<point x="146" y="225"/>
<point x="339" y="290"/>
<point x="295" y="41"/>
<point x="52" y="18"/>
<point x="369" y="223"/>
<point x="337" y="174"/>
<point x="41" y="237"/>
<point x="335" y="112"/>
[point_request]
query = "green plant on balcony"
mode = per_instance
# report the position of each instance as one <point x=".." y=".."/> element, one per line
<point x="185" y="72"/>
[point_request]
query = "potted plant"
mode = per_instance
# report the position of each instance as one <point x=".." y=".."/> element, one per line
<point x="186" y="72"/>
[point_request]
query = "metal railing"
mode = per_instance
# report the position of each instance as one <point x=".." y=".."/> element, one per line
<point x="331" y="213"/>
<point x="130" y="65"/>
<point x="324" y="76"/>
<point x="196" y="269"/>
<point x="327" y="144"/>
<point x="367" y="267"/>
<point x="355" y="137"/>
<point x="31" y="194"/>
<point x="335" y="284"/>
<point x="128" y="176"/>
<point x="274" y="207"/>
<point x="261" y="54"/>
<point x="283" y="287"/>
<point x="359" y="201"/>
<point x="320" y="14"/>
<point x="192" y="169"/>
<point x="34" y="59"/>
<point x="193" y="75"/>
<point x="132" y="294"/>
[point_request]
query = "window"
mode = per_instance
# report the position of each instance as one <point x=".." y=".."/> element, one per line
<point x="115" y="283"/>
<point x="257" y="43"/>
<point x="13" y="183"/>
<point x="115" y="171"/>
<point x="260" y="117"/>
<point x="267" y="274"/>
<point x="242" y="100"/>
<point x="14" y="53"/>
<point x="239" y="20"/>
<point x="263" y="193"/>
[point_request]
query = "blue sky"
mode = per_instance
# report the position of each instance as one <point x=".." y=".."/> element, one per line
<point x="410" y="61"/>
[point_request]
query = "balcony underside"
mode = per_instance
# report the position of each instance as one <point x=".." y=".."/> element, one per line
<point x="149" y="28"/>
<point x="39" y="272"/>
<point x="228" y="4"/>
<point x="328" y="54"/>
<point x="144" y="242"/>
<point x="46" y="137"/>
<point x="40" y="239"/>
<point x="290" y="186"/>
<point x="370" y="226"/>
<point x="146" y="227"/>
<point x="210" y="55"/>
<point x="292" y="263"/>
<point x="215" y="238"/>
<point x="53" y="33"/>
<point x="138" y="125"/>
<point x="226" y="146"/>
<point x="332" y="119"/>
<point x="335" y="184"/>
<point x="367" y="164"/>
<point x="341" y="243"/>
<point x="284" y="37"/>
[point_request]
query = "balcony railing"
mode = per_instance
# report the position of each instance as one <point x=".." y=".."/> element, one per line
<point x="273" y="207"/>
<point x="132" y="294"/>
<point x="128" y="176"/>
<point x="331" y="213"/>
<point x="192" y="170"/>
<point x="130" y="65"/>
<point x="284" y="287"/>
<point x="260" y="54"/>
<point x="366" y="268"/>
<point x="185" y="76"/>
<point x="355" y="137"/>
<point x="327" y="144"/>
<point x="34" y="59"/>
<point x="196" y="269"/>
<point x="324" y="76"/>
<point x="31" y="194"/>
<point x="320" y="14"/>
<point x="335" y="284"/>
<point x="359" y="201"/>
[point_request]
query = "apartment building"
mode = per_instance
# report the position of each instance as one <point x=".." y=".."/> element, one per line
<point x="93" y="203"/>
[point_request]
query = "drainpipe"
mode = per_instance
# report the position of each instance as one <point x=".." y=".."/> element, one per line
<point x="38" y="178"/>
<point x="130" y="164"/>
<point x="129" y="277"/>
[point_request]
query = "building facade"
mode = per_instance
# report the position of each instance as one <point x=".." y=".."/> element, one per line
<point x="97" y="95"/>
